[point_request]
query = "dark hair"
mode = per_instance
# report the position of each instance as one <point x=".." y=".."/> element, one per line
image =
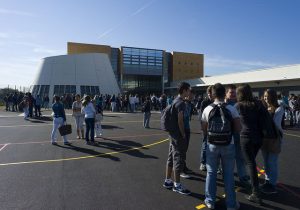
<point x="77" y="95"/>
<point x="244" y="94"/>
<point x="230" y="86"/>
<point x="209" y="88"/>
<point x="87" y="99"/>
<point x="183" y="86"/>
<point x="56" y="98"/>
<point x="218" y="90"/>
<point x="272" y="95"/>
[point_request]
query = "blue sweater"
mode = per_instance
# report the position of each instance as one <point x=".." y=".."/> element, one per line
<point x="58" y="110"/>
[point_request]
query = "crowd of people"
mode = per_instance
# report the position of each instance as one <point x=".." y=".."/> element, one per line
<point x="236" y="126"/>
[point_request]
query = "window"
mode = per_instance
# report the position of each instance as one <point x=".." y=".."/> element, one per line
<point x="89" y="90"/>
<point x="44" y="90"/>
<point x="35" y="90"/>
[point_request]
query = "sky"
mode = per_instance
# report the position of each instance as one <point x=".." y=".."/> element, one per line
<point x="233" y="35"/>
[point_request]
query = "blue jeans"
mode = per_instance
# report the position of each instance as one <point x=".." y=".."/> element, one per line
<point x="90" y="126"/>
<point x="147" y="116"/>
<point x="57" y="122"/>
<point x="271" y="167"/>
<point x="240" y="162"/>
<point x="203" y="150"/>
<point x="213" y="155"/>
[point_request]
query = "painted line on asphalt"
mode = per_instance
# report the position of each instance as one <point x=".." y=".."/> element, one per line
<point x="48" y="124"/>
<point x="201" y="206"/>
<point x="104" y="138"/>
<point x="84" y="157"/>
<point x="291" y="135"/>
<point x="2" y="147"/>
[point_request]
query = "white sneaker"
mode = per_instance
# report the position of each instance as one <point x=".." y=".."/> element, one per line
<point x="209" y="205"/>
<point x="184" y="175"/>
<point x="202" y="167"/>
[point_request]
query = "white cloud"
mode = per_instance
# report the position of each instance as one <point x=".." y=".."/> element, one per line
<point x="125" y="19"/>
<point x="44" y="50"/>
<point x="15" y="12"/>
<point x="142" y="8"/>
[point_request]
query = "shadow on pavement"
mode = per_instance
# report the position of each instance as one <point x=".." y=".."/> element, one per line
<point x="111" y="127"/>
<point x="284" y="197"/>
<point x="127" y="143"/>
<point x="122" y="148"/>
<point x="111" y="116"/>
<point x="35" y="121"/>
<point x="90" y="152"/>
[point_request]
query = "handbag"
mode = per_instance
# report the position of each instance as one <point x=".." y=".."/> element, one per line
<point x="273" y="144"/>
<point x="65" y="129"/>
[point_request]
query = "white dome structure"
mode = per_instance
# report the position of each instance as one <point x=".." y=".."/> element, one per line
<point x="88" y="73"/>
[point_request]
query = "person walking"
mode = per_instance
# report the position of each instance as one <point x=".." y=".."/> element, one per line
<point x="59" y="119"/>
<point x="76" y="108"/>
<point x="219" y="121"/>
<point x="89" y="112"/>
<point x="178" y="142"/>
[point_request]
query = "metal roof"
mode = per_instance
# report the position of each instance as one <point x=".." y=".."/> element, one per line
<point x="281" y="73"/>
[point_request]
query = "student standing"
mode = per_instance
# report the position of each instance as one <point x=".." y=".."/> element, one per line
<point x="89" y="117"/>
<point x="98" y="119"/>
<point x="271" y="158"/>
<point x="240" y="162"/>
<point x="59" y="119"/>
<point x="76" y="108"/>
<point x="220" y="147"/>
<point x="250" y="112"/>
<point x="178" y="142"/>
<point x="147" y="112"/>
<point x="203" y="105"/>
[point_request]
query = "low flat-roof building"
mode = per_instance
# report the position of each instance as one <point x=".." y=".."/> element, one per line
<point x="282" y="79"/>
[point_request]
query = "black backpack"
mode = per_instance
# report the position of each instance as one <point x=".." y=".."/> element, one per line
<point x="219" y="125"/>
<point x="168" y="119"/>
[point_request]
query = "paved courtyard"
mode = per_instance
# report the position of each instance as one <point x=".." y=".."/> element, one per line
<point x="125" y="170"/>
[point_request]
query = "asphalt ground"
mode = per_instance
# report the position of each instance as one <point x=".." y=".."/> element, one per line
<point x="125" y="170"/>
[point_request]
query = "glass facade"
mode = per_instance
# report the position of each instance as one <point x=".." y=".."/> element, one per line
<point x="89" y="90"/>
<point x="60" y="90"/>
<point x="142" y="61"/>
<point x="142" y="69"/>
<point x="167" y="67"/>
<point x="141" y="83"/>
<point x="41" y="90"/>
<point x="114" y="62"/>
